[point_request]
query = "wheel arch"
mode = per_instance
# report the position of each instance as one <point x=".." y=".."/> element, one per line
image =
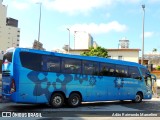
<point x="140" y="92"/>
<point x="77" y="93"/>
<point x="61" y="92"/>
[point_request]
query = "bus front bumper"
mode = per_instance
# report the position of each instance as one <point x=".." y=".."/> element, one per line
<point x="6" y="97"/>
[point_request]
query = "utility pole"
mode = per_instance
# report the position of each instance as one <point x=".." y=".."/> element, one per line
<point x="143" y="7"/>
<point x="69" y="40"/>
<point x="39" y="31"/>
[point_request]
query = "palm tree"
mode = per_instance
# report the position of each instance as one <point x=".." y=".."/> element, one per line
<point x="154" y="50"/>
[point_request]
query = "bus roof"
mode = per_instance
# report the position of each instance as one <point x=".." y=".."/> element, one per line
<point x="92" y="58"/>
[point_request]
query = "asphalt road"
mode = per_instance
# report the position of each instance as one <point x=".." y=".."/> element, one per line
<point x="86" y="109"/>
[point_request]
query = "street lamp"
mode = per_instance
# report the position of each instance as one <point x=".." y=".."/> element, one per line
<point x="69" y="40"/>
<point x="40" y="4"/>
<point x="143" y="7"/>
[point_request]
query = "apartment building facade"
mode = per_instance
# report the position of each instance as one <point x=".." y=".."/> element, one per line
<point x="9" y="31"/>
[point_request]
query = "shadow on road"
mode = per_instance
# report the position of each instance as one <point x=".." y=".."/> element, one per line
<point x="41" y="107"/>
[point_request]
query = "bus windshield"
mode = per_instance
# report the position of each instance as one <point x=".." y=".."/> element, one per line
<point x="7" y="57"/>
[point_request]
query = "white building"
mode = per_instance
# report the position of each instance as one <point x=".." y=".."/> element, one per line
<point x="121" y="53"/>
<point x="124" y="54"/>
<point x="83" y="40"/>
<point x="131" y="55"/>
<point x="9" y="31"/>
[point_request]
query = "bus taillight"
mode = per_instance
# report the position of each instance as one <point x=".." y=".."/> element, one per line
<point x="13" y="86"/>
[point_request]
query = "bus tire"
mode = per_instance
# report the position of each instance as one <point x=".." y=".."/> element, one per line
<point x="74" y="100"/>
<point x="57" y="100"/>
<point x="138" y="98"/>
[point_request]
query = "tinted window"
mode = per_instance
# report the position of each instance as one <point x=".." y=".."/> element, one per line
<point x="134" y="73"/>
<point x="107" y="69"/>
<point x="71" y="66"/>
<point x="31" y="60"/>
<point x="50" y="63"/>
<point x="8" y="57"/>
<point x="121" y="71"/>
<point x="0" y="66"/>
<point x="144" y="72"/>
<point x="90" y="68"/>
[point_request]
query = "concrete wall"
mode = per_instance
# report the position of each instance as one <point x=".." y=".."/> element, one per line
<point x="158" y="82"/>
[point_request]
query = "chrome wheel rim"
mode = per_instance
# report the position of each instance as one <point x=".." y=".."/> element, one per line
<point x="57" y="100"/>
<point x="138" y="98"/>
<point x="75" y="100"/>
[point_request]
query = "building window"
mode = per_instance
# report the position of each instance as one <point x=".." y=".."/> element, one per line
<point x="17" y="44"/>
<point x="120" y="58"/>
<point x="18" y="35"/>
<point x="109" y="56"/>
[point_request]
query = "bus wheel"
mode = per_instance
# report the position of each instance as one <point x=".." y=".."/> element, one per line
<point x="57" y="100"/>
<point x="74" y="100"/>
<point x="138" y="98"/>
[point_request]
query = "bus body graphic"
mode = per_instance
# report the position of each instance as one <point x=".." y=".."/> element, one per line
<point x="34" y="76"/>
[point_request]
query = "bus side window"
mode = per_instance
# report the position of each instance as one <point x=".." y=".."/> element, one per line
<point x="121" y="71"/>
<point x="107" y="69"/>
<point x="103" y="69"/>
<point x="134" y="73"/>
<point x="71" y="66"/>
<point x="51" y="63"/>
<point x="90" y="68"/>
<point x="31" y="61"/>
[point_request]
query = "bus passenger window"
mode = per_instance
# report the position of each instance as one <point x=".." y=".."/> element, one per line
<point x="31" y="61"/>
<point x="51" y="63"/>
<point x="90" y="68"/>
<point x="134" y="73"/>
<point x="107" y="69"/>
<point x="121" y="71"/>
<point x="71" y="66"/>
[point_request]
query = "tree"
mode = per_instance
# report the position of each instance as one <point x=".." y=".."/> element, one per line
<point x="154" y="50"/>
<point x="98" y="51"/>
<point x="158" y="68"/>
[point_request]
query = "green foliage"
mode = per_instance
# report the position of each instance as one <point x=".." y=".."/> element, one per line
<point x="158" y="68"/>
<point x="154" y="50"/>
<point x="99" y="51"/>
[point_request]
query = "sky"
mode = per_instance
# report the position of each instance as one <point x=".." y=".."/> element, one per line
<point x="107" y="21"/>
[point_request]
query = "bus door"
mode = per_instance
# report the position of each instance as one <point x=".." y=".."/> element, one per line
<point x="153" y="80"/>
<point x="148" y="82"/>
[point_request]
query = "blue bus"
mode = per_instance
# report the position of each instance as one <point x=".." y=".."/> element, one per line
<point x="35" y="76"/>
